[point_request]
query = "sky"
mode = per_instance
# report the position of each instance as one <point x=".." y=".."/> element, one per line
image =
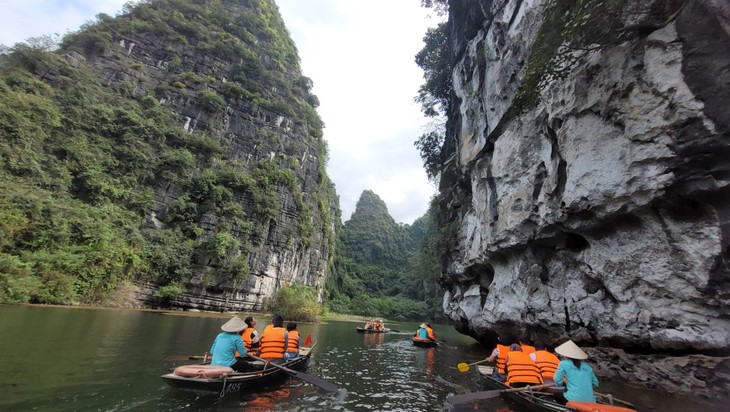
<point x="360" y="57"/>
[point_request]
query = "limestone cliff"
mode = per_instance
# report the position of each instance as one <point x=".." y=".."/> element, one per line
<point x="230" y="72"/>
<point x="601" y="211"/>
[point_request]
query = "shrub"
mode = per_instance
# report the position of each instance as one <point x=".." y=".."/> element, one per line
<point x="295" y="302"/>
<point x="169" y="291"/>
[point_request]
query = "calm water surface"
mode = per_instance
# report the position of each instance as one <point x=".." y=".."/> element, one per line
<point x="56" y="358"/>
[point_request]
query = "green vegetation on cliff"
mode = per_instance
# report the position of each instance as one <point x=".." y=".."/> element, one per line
<point x="83" y="157"/>
<point x="383" y="268"/>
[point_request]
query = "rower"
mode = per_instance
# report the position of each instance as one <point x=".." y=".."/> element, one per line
<point x="422" y="332"/>
<point x="226" y="344"/>
<point x="579" y="377"/>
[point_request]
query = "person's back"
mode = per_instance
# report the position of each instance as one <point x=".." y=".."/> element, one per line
<point x="227" y="344"/>
<point x="579" y="380"/>
<point x="521" y="369"/>
<point x="579" y="376"/>
<point x="547" y="362"/>
<point x="430" y="333"/>
<point x="422" y="333"/>
<point x="274" y="340"/>
<point x="292" y="350"/>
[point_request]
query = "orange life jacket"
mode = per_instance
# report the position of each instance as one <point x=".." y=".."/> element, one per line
<point x="547" y="363"/>
<point x="272" y="343"/>
<point x="528" y="349"/>
<point x="431" y="335"/>
<point x="521" y="368"/>
<point x="247" y="337"/>
<point x="502" y="358"/>
<point x="293" y="344"/>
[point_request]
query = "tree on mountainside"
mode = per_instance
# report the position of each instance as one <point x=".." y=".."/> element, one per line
<point x="434" y="95"/>
<point x="379" y="269"/>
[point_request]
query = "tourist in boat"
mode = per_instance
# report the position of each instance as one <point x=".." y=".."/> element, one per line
<point x="526" y="347"/>
<point x="499" y="355"/>
<point x="429" y="330"/>
<point x="520" y="368"/>
<point x="422" y="332"/>
<point x="227" y="343"/>
<point x="545" y="360"/>
<point x="579" y="377"/>
<point x="251" y="337"/>
<point x="370" y="324"/>
<point x="292" y="350"/>
<point x="274" y="340"/>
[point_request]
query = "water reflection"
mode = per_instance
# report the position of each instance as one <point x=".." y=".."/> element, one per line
<point x="112" y="360"/>
<point x="372" y="339"/>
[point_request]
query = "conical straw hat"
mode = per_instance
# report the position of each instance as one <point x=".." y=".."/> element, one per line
<point x="236" y="324"/>
<point x="571" y="350"/>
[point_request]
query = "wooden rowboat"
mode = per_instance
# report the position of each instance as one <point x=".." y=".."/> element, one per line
<point x="542" y="401"/>
<point x="424" y="343"/>
<point x="363" y="330"/>
<point x="238" y="382"/>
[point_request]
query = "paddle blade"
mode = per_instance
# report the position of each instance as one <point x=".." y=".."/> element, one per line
<point x="462" y="367"/>
<point x="472" y="396"/>
<point x="321" y="383"/>
<point x="308" y="340"/>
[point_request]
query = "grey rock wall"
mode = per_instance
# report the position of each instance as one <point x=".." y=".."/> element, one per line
<point x="602" y="214"/>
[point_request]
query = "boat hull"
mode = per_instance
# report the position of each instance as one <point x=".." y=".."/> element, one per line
<point x="424" y="343"/>
<point x="239" y="382"/>
<point x="532" y="401"/>
<point x="363" y="330"/>
<point x="543" y="401"/>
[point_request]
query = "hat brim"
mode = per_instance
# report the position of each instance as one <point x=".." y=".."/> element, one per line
<point x="234" y="325"/>
<point x="570" y="350"/>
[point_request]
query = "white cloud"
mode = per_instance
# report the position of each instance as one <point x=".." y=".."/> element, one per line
<point x="360" y="55"/>
<point x="21" y="19"/>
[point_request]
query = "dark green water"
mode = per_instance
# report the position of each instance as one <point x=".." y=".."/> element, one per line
<point x="56" y="358"/>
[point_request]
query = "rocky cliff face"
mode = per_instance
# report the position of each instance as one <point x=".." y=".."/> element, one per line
<point x="602" y="212"/>
<point x="229" y="71"/>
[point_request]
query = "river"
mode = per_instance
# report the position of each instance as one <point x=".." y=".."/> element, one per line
<point x="76" y="359"/>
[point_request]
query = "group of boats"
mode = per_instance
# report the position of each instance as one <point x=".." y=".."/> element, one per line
<point x="225" y="381"/>
<point x="422" y="343"/>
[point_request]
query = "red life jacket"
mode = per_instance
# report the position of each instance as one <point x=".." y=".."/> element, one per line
<point x="521" y="368"/>
<point x="502" y="358"/>
<point x="272" y="343"/>
<point x="547" y="363"/>
<point x="293" y="344"/>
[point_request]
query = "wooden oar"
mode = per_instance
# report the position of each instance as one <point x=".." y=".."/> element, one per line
<point x="463" y="367"/>
<point x="477" y="396"/>
<point x="328" y="386"/>
<point x="611" y="399"/>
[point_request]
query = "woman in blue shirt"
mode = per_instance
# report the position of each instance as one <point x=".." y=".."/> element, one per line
<point x="227" y="343"/>
<point x="579" y="377"/>
<point x="422" y="333"/>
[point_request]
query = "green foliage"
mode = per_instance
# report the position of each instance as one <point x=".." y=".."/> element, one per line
<point x="170" y="291"/>
<point x="385" y="269"/>
<point x="81" y="160"/>
<point x="435" y="94"/>
<point x="211" y="101"/>
<point x="295" y="302"/>
<point x="570" y="28"/>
